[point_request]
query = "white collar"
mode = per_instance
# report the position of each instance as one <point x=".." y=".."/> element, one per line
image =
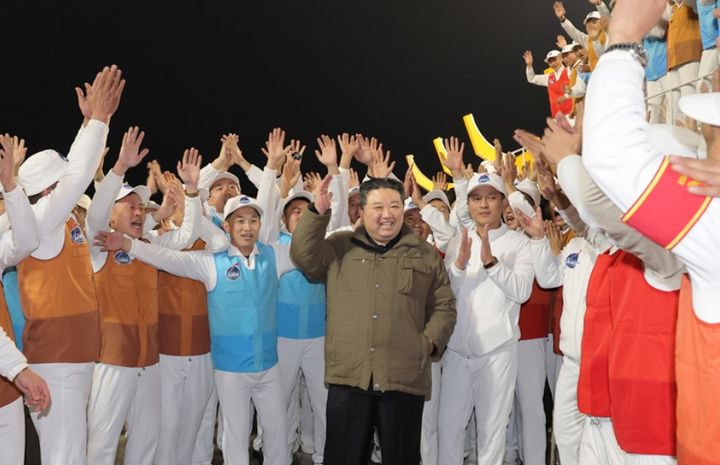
<point x="235" y="252"/>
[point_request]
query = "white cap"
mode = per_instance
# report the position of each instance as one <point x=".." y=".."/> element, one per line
<point x="489" y="166"/>
<point x="528" y="187"/>
<point x="225" y="175"/>
<point x="241" y="201"/>
<point x="353" y="191"/>
<point x="127" y="189"/>
<point x="486" y="179"/>
<point x="410" y="205"/>
<point x="437" y="195"/>
<point x="569" y="48"/>
<point x="298" y="195"/>
<point x="84" y="202"/>
<point x="41" y="171"/>
<point x="591" y="15"/>
<point x="552" y="54"/>
<point x="701" y="107"/>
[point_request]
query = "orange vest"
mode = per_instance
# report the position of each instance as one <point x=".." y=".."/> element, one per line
<point x="591" y="53"/>
<point x="556" y="89"/>
<point x="8" y="392"/>
<point x="534" y="314"/>
<point x="58" y="299"/>
<point x="128" y="299"/>
<point x="594" y="385"/>
<point x="183" y="314"/>
<point x="683" y="37"/>
<point x="641" y="361"/>
<point x="697" y="365"/>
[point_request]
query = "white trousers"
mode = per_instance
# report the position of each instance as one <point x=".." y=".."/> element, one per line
<point x="307" y="355"/>
<point x="568" y="422"/>
<point x="235" y="390"/>
<point x="598" y="445"/>
<point x="62" y="427"/>
<point x="123" y="395"/>
<point x="553" y="362"/>
<point x="186" y="386"/>
<point x="307" y="416"/>
<point x="676" y="77"/>
<point x="658" y="106"/>
<point x="429" y="432"/>
<point x="529" y="392"/>
<point x="708" y="64"/>
<point x="12" y="433"/>
<point x="205" y="442"/>
<point x="488" y="384"/>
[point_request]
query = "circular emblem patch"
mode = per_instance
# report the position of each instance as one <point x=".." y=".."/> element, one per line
<point x="76" y="235"/>
<point x="572" y="260"/>
<point x="122" y="258"/>
<point x="233" y="273"/>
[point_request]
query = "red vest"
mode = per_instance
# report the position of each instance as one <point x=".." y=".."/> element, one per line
<point x="642" y="361"/>
<point x="556" y="89"/>
<point x="535" y="313"/>
<point x="594" y="385"/>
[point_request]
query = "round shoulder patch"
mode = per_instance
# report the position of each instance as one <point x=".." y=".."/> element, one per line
<point x="122" y="258"/>
<point x="76" y="235"/>
<point x="233" y="272"/>
<point x="572" y="260"/>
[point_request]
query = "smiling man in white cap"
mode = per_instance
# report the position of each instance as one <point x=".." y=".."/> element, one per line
<point x="491" y="272"/>
<point x="595" y="39"/>
<point x="126" y="381"/>
<point x="62" y="330"/>
<point x="556" y="81"/>
<point x="242" y="286"/>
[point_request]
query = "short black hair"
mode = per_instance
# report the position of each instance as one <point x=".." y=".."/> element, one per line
<point x="287" y="205"/>
<point x="380" y="183"/>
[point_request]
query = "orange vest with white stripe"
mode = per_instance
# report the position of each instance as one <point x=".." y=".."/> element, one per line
<point x="183" y="314"/>
<point x="128" y="298"/>
<point x="8" y="392"/>
<point x="641" y="360"/>
<point x="649" y="213"/>
<point x="697" y="366"/>
<point x="683" y="37"/>
<point x="58" y="299"/>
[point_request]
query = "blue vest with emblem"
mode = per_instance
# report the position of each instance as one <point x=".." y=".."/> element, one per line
<point x="657" y="58"/>
<point x="242" y="313"/>
<point x="12" y="299"/>
<point x="301" y="305"/>
<point x="708" y="24"/>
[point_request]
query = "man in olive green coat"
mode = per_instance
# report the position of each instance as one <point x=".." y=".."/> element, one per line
<point x="390" y="312"/>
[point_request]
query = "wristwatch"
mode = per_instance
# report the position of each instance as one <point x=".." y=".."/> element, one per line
<point x="633" y="48"/>
<point x="492" y="263"/>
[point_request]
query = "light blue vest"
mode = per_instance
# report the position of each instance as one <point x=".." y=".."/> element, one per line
<point x="657" y="58"/>
<point x="301" y="304"/>
<point x="708" y="25"/>
<point x="242" y="313"/>
<point x="12" y="299"/>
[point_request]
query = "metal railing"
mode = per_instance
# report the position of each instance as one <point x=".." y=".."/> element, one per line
<point x="671" y="110"/>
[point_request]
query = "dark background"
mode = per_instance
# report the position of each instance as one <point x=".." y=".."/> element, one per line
<point x="405" y="72"/>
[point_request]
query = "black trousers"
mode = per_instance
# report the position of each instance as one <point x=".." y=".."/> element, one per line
<point x="351" y="415"/>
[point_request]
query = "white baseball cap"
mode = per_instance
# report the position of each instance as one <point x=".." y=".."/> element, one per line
<point x="592" y="15"/>
<point x="409" y="205"/>
<point x="437" y="195"/>
<point x="528" y="187"/>
<point x="225" y="175"/>
<point x="486" y="179"/>
<point x="701" y="107"/>
<point x="569" y="48"/>
<point x="552" y="54"/>
<point x="298" y="195"/>
<point x="238" y="202"/>
<point x="127" y="189"/>
<point x="353" y="191"/>
<point x="84" y="202"/>
<point x="41" y="171"/>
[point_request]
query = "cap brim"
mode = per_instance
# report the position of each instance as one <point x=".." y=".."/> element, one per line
<point x="702" y="107"/>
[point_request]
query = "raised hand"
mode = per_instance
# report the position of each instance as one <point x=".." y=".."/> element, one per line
<point x="417" y="195"/>
<point x="105" y="94"/>
<point x="559" y="10"/>
<point x="365" y="149"/>
<point x="554" y="236"/>
<point x="295" y="147"/>
<point x="312" y="180"/>
<point x="558" y="143"/>
<point x="111" y="241"/>
<point x="528" y="57"/>
<point x="454" y="160"/>
<point x="7" y="168"/>
<point x="561" y="41"/>
<point x="327" y="155"/>
<point x="465" y="251"/>
<point x="323" y="197"/>
<point x="545" y="180"/>
<point x="439" y="181"/>
<point x="290" y="175"/>
<point x="83" y="103"/>
<point x="230" y="144"/>
<point x="354" y="179"/>
<point x="189" y="169"/>
<point x="509" y="173"/>
<point x="498" y="162"/>
<point x="348" y="148"/>
<point x="534" y="227"/>
<point x="381" y="166"/>
<point x="18" y="151"/>
<point x="130" y="154"/>
<point x="485" y="250"/>
<point x="34" y="389"/>
<point x="275" y="149"/>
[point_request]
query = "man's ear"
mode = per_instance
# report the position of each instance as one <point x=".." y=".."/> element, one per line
<point x="226" y="227"/>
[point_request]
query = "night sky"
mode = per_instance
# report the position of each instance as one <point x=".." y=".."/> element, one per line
<point x="405" y="72"/>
